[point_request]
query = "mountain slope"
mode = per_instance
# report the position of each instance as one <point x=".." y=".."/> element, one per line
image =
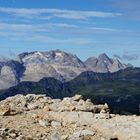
<point x="10" y="73"/>
<point x="121" y="90"/>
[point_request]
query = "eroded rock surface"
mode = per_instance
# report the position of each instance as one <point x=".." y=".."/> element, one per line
<point x="37" y="117"/>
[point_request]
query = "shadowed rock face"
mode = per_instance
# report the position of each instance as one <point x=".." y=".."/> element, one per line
<point x="91" y="63"/>
<point x="10" y="73"/>
<point x="116" y="65"/>
<point x="57" y="64"/>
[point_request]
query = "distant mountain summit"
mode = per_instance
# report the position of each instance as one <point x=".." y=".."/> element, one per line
<point x="104" y="64"/>
<point x="60" y="65"/>
<point x="51" y="57"/>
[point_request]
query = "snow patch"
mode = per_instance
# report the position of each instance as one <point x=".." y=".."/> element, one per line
<point x="59" y="54"/>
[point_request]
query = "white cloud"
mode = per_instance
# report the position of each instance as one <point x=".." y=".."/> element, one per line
<point x="48" y="27"/>
<point x="34" y="28"/>
<point x="57" y="13"/>
<point x="104" y="29"/>
<point x="47" y="39"/>
<point x="63" y="25"/>
<point x="24" y="37"/>
<point x="16" y="27"/>
<point x="40" y="33"/>
<point x="128" y="56"/>
<point x="52" y="33"/>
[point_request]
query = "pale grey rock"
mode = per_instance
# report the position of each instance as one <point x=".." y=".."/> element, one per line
<point x="56" y="124"/>
<point x="102" y="116"/>
<point x="73" y="117"/>
<point x="84" y="132"/>
<point x="79" y="135"/>
<point x="87" y="132"/>
<point x="17" y="100"/>
<point x="56" y="136"/>
<point x="44" y="123"/>
<point x="85" y="118"/>
<point x="77" y="97"/>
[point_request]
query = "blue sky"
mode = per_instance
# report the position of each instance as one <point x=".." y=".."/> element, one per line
<point x="83" y="27"/>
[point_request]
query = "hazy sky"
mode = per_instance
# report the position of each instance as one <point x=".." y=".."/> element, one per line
<point x="83" y="27"/>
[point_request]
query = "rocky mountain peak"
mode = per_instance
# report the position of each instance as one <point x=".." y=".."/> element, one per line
<point x="104" y="64"/>
<point x="51" y="57"/>
<point x="116" y="65"/>
<point x="55" y="63"/>
<point x="104" y="58"/>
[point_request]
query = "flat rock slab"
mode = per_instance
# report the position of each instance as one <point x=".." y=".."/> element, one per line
<point x="121" y="127"/>
<point x="40" y="117"/>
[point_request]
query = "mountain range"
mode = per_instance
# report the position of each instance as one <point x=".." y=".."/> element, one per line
<point x="57" y="64"/>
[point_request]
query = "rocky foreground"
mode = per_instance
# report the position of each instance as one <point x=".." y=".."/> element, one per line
<point x="37" y="117"/>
